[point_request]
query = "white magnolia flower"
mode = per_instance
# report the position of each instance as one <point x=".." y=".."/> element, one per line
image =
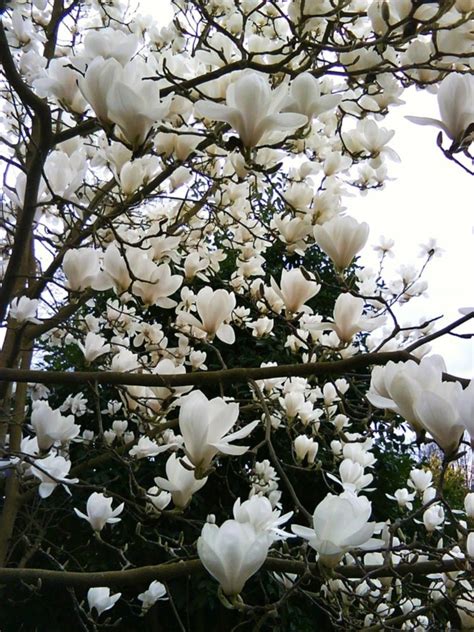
<point x="60" y="80"/>
<point x="109" y="42"/>
<point x="403" y="497"/>
<point x="394" y="386"/>
<point x="23" y="310"/>
<point x="155" y="592"/>
<point x="181" y="482"/>
<point x="341" y="238"/>
<point x="352" y="477"/>
<point x="305" y="448"/>
<point x="306" y="98"/>
<point x="101" y="599"/>
<point x="349" y="319"/>
<point x="81" y="268"/>
<point x="253" y="109"/>
<point x="50" y="426"/>
<point x="340" y="523"/>
<point x="147" y="447"/>
<point x="120" y="95"/>
<point x="214" y="308"/>
<point x="51" y="471"/>
<point x="232" y="553"/>
<point x="433" y="517"/>
<point x="295" y="289"/>
<point x="99" y="511"/>
<point x="155" y="283"/>
<point x="469" y="505"/>
<point x="204" y="425"/>
<point x="94" y="346"/>
<point x="159" y="500"/>
<point x="456" y="108"/>
<point x="259" y="512"/>
<point x="417" y="393"/>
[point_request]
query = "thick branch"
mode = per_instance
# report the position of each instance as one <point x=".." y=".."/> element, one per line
<point x="37" y="151"/>
<point x="137" y="577"/>
<point x="208" y="378"/>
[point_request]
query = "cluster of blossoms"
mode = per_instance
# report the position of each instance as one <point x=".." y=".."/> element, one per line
<point x="176" y="228"/>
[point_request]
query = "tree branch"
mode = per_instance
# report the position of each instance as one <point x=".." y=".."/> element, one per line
<point x="224" y="376"/>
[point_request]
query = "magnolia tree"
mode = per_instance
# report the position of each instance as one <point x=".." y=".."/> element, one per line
<point x="211" y="416"/>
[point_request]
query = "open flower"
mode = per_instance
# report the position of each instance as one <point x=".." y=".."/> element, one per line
<point x="253" y="109"/>
<point x="101" y="599"/>
<point x="295" y="289"/>
<point x="340" y="523"/>
<point x="94" y="346"/>
<point x="181" y="482"/>
<point x="23" y="309"/>
<point x="155" y="592"/>
<point x="51" y="471"/>
<point x="456" y="108"/>
<point x="204" y="425"/>
<point x="99" y="511"/>
<point x="306" y="98"/>
<point x="50" y="426"/>
<point x="214" y="308"/>
<point x="81" y="267"/>
<point x="232" y="553"/>
<point x="258" y="512"/>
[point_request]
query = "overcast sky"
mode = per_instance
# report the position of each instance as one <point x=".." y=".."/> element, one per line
<point x="430" y="197"/>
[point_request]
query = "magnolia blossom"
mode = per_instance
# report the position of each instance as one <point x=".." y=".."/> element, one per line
<point x="60" y="80"/>
<point x="155" y="592"/>
<point x="120" y="95"/>
<point x="204" y="425"/>
<point x="349" y="319"/>
<point x="352" y="477"/>
<point x="109" y="42"/>
<point x="51" y="471"/>
<point x="146" y="448"/>
<point x="159" y="500"/>
<point x="305" y="448"/>
<point x="341" y="238"/>
<point x="81" y="268"/>
<point x="94" y="346"/>
<point x="253" y="109"/>
<point x="100" y="512"/>
<point x="101" y="599"/>
<point x="417" y="393"/>
<point x="433" y="517"/>
<point x="456" y="108"/>
<point x="156" y="283"/>
<point x="295" y="289"/>
<point x="232" y="553"/>
<point x="438" y="413"/>
<point x="50" y="426"/>
<point x="469" y="505"/>
<point x="340" y="523"/>
<point x="181" y="482"/>
<point x="391" y="384"/>
<point x="306" y="98"/>
<point x="258" y="511"/>
<point x="214" y="308"/>
<point x="23" y="309"/>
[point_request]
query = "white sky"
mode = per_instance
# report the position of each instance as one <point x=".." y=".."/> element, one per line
<point x="430" y="197"/>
